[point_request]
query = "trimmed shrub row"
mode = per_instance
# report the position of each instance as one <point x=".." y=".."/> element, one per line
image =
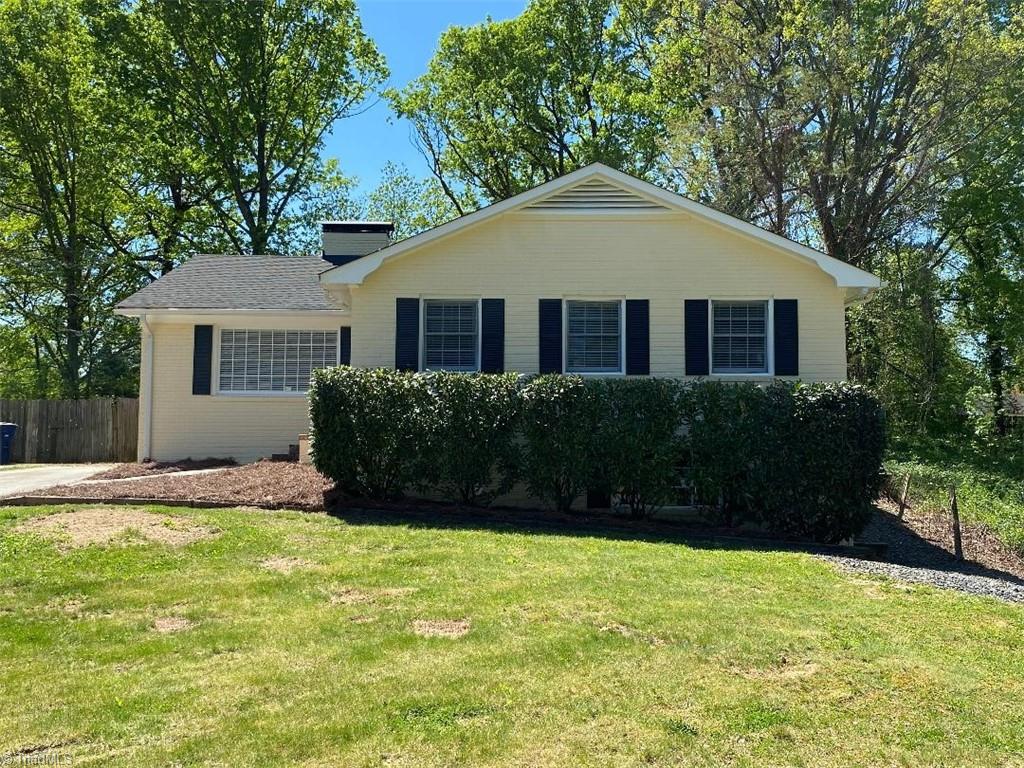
<point x="804" y="460"/>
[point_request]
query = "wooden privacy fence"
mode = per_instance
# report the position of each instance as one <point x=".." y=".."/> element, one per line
<point x="102" y="429"/>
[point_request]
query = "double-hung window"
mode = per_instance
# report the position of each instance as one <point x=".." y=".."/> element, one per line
<point x="739" y="337"/>
<point x="451" y="335"/>
<point x="593" y="336"/>
<point x="266" y="361"/>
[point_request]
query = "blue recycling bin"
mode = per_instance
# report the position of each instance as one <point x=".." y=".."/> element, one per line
<point x="7" y="432"/>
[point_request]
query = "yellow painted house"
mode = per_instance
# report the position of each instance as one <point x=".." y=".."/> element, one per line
<point x="595" y="273"/>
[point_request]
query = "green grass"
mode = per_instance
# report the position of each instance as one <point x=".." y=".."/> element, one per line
<point x="990" y="486"/>
<point x="582" y="651"/>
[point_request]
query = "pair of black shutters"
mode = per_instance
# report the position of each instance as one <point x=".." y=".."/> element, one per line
<point x="638" y="346"/>
<point x="492" y="335"/>
<point x="786" y="339"/>
<point x="202" y="356"/>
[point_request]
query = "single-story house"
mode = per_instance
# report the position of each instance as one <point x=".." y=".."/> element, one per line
<point x="595" y="273"/>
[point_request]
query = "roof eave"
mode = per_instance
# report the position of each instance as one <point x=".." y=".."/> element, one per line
<point x="277" y="311"/>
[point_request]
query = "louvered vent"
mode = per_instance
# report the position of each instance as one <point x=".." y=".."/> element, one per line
<point x="596" y="195"/>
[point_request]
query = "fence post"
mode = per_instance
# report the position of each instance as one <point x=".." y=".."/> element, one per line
<point x="905" y="495"/>
<point x="958" y="546"/>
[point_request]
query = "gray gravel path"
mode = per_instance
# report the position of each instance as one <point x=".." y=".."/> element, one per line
<point x="915" y="559"/>
<point x="972" y="583"/>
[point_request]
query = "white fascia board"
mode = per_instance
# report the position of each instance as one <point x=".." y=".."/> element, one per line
<point x="845" y="275"/>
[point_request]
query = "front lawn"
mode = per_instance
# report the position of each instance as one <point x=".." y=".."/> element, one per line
<point x="262" y="638"/>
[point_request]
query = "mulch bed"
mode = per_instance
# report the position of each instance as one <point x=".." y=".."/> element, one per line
<point x="147" y="468"/>
<point x="925" y="540"/>
<point x="264" y="483"/>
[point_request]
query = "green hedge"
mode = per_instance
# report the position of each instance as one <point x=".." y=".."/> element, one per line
<point x="804" y="460"/>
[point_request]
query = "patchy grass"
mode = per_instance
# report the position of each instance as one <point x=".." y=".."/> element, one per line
<point x="417" y="646"/>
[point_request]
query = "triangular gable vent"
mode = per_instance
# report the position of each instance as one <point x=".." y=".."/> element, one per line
<point x="596" y="195"/>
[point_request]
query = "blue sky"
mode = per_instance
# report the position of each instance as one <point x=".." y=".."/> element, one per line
<point x="406" y="32"/>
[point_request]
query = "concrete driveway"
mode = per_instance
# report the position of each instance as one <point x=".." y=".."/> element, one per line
<point x="18" y="482"/>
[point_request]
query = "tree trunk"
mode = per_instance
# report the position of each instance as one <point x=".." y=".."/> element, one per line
<point x="995" y="363"/>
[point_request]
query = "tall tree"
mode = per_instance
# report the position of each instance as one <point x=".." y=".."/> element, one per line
<point x="411" y="204"/>
<point x="170" y="181"/>
<point x="507" y="105"/>
<point x="61" y="211"/>
<point x="985" y="215"/>
<point x="834" y="122"/>
<point x="257" y="86"/>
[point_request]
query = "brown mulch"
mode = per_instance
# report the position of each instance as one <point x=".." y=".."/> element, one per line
<point x="935" y="532"/>
<point x="279" y="485"/>
<point x="147" y="468"/>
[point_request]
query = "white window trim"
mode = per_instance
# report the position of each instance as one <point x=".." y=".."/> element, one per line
<point x="421" y="363"/>
<point x="622" y="335"/>
<point x="769" y="336"/>
<point x="248" y="394"/>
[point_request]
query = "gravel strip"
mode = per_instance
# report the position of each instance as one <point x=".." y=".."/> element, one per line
<point x="973" y="584"/>
<point x="920" y="552"/>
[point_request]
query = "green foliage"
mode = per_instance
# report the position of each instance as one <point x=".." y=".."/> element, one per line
<point x="470" y="426"/>
<point x="561" y="426"/>
<point x="412" y="205"/>
<point x="257" y="85"/>
<point x="367" y="429"/>
<point x="903" y="349"/>
<point x="638" y="442"/>
<point x="989" y="482"/>
<point x="63" y="213"/>
<point x="804" y="460"/>
<point x="820" y="468"/>
<point x="723" y="438"/>
<point x="507" y="105"/>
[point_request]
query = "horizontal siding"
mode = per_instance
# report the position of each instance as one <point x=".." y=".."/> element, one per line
<point x="353" y="243"/>
<point x="243" y="427"/>
<point x="666" y="259"/>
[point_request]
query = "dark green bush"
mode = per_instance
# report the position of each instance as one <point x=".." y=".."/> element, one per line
<point x="638" y="442"/>
<point x="803" y="460"/>
<point x="471" y="425"/>
<point x="724" y="425"/>
<point x="821" y="472"/>
<point x="560" y="421"/>
<point x="367" y="429"/>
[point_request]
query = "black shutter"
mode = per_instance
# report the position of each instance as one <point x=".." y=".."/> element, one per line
<point x="345" y="345"/>
<point x="787" y="338"/>
<point x="638" y="337"/>
<point x="696" y="330"/>
<point x="550" y="358"/>
<point x="407" y="334"/>
<point x="202" y="359"/>
<point x="492" y="335"/>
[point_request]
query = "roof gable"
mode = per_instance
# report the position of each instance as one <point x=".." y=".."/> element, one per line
<point x="600" y="190"/>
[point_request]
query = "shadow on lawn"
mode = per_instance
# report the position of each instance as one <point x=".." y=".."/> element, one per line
<point x="899" y="543"/>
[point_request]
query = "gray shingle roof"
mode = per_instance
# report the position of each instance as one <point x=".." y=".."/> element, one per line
<point x="218" y="281"/>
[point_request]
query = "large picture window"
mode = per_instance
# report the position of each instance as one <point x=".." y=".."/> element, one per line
<point x="451" y="340"/>
<point x="273" y="361"/>
<point x="593" y="336"/>
<point x="739" y="337"/>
